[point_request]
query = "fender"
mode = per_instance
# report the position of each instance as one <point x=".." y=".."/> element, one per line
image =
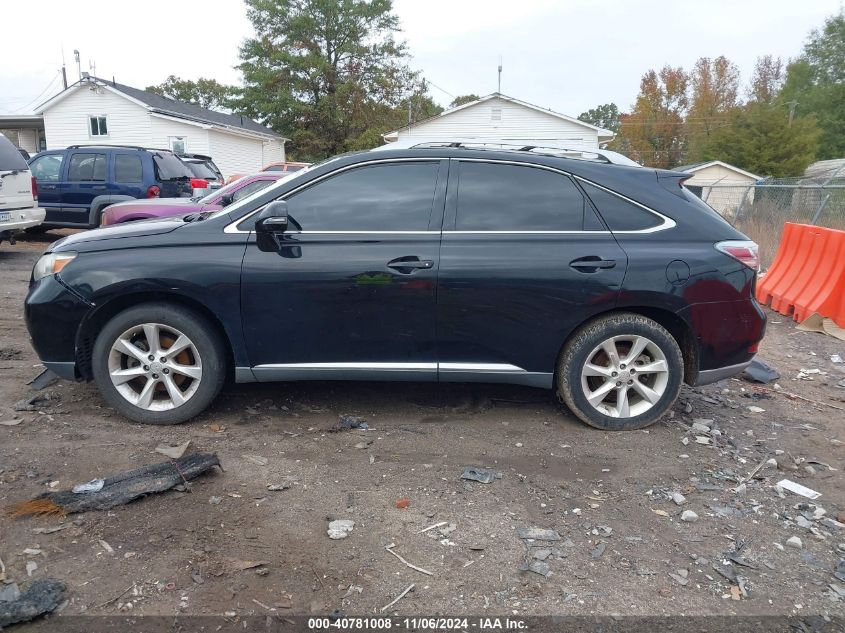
<point x="101" y="202"/>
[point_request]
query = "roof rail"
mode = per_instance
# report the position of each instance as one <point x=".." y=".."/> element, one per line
<point x="118" y="146"/>
<point x="546" y="148"/>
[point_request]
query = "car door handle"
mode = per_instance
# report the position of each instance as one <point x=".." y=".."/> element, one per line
<point x="407" y="265"/>
<point x="99" y="187"/>
<point x="591" y="264"/>
<point x="40" y="186"/>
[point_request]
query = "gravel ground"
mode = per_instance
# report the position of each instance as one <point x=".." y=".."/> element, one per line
<point x="231" y="546"/>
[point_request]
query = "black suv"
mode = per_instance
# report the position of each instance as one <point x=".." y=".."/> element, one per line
<point x="77" y="183"/>
<point x="610" y="284"/>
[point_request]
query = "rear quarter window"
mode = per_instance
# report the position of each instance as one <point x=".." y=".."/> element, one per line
<point x="618" y="213"/>
<point x="169" y="167"/>
<point x="10" y="157"/>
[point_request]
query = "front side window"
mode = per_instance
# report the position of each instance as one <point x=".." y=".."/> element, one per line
<point x="496" y="197"/>
<point x="87" y="168"/>
<point x="47" y="168"/>
<point x="393" y="197"/>
<point x="98" y="125"/>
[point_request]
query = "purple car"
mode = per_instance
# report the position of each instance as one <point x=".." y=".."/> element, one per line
<point x="166" y="207"/>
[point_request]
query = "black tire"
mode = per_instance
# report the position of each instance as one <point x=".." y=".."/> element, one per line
<point x="575" y="355"/>
<point x="204" y="338"/>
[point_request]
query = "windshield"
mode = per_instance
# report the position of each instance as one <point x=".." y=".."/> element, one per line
<point x="168" y="167"/>
<point x="236" y="206"/>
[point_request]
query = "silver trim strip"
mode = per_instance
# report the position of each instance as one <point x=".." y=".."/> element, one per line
<point x="667" y="222"/>
<point x="480" y="367"/>
<point x="360" y="366"/>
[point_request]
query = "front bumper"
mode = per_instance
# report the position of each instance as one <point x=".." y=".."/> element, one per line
<point x="22" y="219"/>
<point x="53" y="315"/>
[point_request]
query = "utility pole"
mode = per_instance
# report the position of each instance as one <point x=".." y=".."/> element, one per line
<point x="499" y="88"/>
<point x="792" y="104"/>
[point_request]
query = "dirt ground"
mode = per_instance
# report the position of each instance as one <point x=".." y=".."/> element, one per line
<point x="623" y="547"/>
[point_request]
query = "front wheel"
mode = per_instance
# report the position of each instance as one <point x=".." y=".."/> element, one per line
<point x="620" y="372"/>
<point x="159" y="363"/>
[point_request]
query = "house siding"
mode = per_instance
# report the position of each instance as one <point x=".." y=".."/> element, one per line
<point x="273" y="152"/>
<point x="162" y="129"/>
<point x="235" y="154"/>
<point x="66" y="123"/>
<point x="723" y="189"/>
<point x="504" y="120"/>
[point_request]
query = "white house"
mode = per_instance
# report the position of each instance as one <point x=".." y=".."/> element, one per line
<point x="97" y="111"/>
<point x="503" y="118"/>
<point x="724" y="187"/>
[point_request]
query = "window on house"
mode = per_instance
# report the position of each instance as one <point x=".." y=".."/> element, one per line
<point x="98" y="126"/>
<point x="178" y="144"/>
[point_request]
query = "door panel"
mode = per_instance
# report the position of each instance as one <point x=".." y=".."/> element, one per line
<point x="333" y="302"/>
<point x="86" y="179"/>
<point x="509" y="296"/>
<point x="49" y="174"/>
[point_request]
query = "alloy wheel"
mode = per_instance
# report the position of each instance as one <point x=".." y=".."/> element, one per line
<point x="625" y="376"/>
<point x="155" y="367"/>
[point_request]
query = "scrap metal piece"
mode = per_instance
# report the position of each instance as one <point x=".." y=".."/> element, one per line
<point x="41" y="597"/>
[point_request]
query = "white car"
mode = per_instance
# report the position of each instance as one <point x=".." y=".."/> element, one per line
<point x="19" y="208"/>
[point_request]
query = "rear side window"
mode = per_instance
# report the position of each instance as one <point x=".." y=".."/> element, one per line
<point x="10" y="157"/>
<point x="169" y="167"/>
<point x="494" y="197"/>
<point x="127" y="168"/>
<point x="47" y="168"/>
<point x="395" y="197"/>
<point x="87" y="168"/>
<point x="618" y="213"/>
<point x="201" y="170"/>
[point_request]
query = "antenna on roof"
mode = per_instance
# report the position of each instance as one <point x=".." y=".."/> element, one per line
<point x="78" y="66"/>
<point x="64" y="70"/>
<point x="499" y="89"/>
<point x="92" y="66"/>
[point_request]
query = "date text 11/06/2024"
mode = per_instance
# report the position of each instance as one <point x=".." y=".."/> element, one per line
<point x="418" y="624"/>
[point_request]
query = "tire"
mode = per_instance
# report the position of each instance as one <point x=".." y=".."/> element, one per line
<point x="143" y="390"/>
<point x="632" y="398"/>
<point x="36" y="230"/>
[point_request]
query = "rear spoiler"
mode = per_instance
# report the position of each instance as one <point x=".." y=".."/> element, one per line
<point x="672" y="181"/>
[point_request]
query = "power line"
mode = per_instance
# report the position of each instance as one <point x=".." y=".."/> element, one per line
<point x="41" y="94"/>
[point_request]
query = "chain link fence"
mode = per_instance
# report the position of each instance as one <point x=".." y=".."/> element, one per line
<point x="760" y="209"/>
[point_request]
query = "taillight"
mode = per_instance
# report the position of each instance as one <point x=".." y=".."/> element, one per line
<point x="154" y="191"/>
<point x="199" y="183"/>
<point x="34" y="189"/>
<point x="744" y="251"/>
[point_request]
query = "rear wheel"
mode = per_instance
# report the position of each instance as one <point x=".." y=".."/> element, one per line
<point x="620" y="372"/>
<point x="158" y="363"/>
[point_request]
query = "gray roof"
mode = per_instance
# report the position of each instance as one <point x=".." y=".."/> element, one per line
<point x="190" y="111"/>
<point x="691" y="166"/>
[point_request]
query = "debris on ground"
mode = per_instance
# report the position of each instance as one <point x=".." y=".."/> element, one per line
<point x="794" y="541"/>
<point x="390" y="547"/>
<point x="121" y="488"/>
<point x="42" y="596"/>
<point x="347" y="422"/>
<point x="537" y="534"/>
<point x="798" y="489"/>
<point x="340" y="528"/>
<point x="760" y="371"/>
<point x="399" y="597"/>
<point x="10" y="422"/>
<point x="689" y="516"/>
<point x="278" y="487"/>
<point x="45" y="379"/>
<point x="258" y="460"/>
<point x="481" y="475"/>
<point x="174" y="452"/>
<point x="95" y="485"/>
<point x="37" y="402"/>
<point x="403" y="503"/>
<point x="537" y="567"/>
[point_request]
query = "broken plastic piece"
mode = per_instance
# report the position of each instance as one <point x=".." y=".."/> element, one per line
<point x="41" y="597"/>
<point x="95" y="485"/>
<point x="760" y="371"/>
<point x="798" y="489"/>
<point x="481" y="475"/>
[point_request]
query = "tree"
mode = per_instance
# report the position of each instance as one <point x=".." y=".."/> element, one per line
<point x="604" y="116"/>
<point x="766" y="80"/>
<point x="760" y="139"/>
<point x="715" y="84"/>
<point x="208" y="93"/>
<point x="653" y="133"/>
<point x="815" y="84"/>
<point x="323" y="71"/>
<point x="463" y="100"/>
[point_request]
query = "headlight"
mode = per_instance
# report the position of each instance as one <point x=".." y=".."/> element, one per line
<point x="51" y="263"/>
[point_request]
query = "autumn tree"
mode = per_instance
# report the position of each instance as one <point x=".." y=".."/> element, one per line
<point x="322" y="71"/>
<point x="463" y="100"/>
<point x="605" y="116"/>
<point x="715" y="85"/>
<point x="653" y="132"/>
<point x="766" y="80"/>
<point x="208" y="93"/>
<point x="815" y="84"/>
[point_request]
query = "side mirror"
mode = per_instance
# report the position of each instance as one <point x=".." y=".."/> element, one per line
<point x="272" y="220"/>
<point x="226" y="200"/>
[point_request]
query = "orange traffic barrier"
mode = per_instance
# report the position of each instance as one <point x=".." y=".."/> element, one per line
<point x="808" y="274"/>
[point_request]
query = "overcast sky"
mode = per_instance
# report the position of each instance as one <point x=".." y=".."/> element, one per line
<point x="567" y="55"/>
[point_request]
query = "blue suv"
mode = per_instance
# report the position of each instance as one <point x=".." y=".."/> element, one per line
<point x="77" y="183"/>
